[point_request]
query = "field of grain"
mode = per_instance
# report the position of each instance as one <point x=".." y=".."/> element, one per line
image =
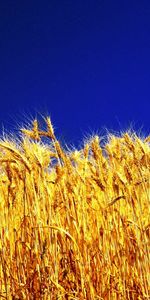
<point x="74" y="224"/>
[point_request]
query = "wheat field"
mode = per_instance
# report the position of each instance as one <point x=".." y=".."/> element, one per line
<point x="74" y="224"/>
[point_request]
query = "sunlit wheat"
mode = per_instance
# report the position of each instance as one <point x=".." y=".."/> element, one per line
<point x="74" y="225"/>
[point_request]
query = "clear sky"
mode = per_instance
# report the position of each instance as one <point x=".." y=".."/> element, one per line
<point x="86" y="63"/>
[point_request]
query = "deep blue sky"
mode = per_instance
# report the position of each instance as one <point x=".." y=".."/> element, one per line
<point x="86" y="63"/>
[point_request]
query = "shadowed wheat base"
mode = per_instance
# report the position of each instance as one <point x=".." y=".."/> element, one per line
<point x="74" y="225"/>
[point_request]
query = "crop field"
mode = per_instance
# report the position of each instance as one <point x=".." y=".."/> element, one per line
<point x="74" y="224"/>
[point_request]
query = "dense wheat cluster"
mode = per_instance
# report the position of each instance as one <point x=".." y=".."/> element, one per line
<point x="74" y="224"/>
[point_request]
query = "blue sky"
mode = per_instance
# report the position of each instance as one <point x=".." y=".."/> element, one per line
<point x="84" y="63"/>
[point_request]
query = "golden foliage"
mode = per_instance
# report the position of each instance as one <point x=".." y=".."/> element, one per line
<point x="74" y="225"/>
